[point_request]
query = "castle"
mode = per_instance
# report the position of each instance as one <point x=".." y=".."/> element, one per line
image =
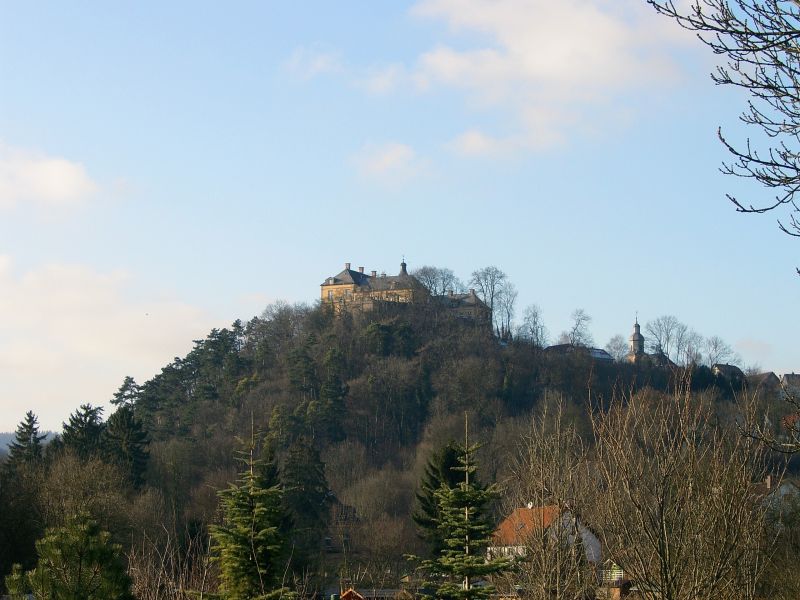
<point x="350" y="289"/>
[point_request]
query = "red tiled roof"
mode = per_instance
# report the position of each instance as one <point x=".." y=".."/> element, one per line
<point x="515" y="529"/>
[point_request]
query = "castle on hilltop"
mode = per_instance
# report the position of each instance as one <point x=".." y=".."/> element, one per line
<point x="355" y="290"/>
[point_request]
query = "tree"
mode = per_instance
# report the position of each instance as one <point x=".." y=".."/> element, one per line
<point x="551" y="470"/>
<point x="439" y="471"/>
<point x="466" y="531"/>
<point x="438" y="281"/>
<point x="249" y="544"/>
<point x="505" y="304"/>
<point x="760" y="41"/>
<point x="617" y="347"/>
<point x="533" y="328"/>
<point x="490" y="285"/>
<point x="27" y="445"/>
<point x="125" y="442"/>
<point x="578" y="334"/>
<point x="717" y="351"/>
<point x="663" y="333"/>
<point x="127" y="394"/>
<point x="76" y="562"/>
<point x="676" y="507"/>
<point x="83" y="432"/>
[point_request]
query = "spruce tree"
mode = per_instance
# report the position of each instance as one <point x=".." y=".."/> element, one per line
<point x="466" y="532"/>
<point x="125" y="442"/>
<point x="83" y="432"/>
<point x="440" y="470"/>
<point x="76" y="562"/>
<point x="27" y="445"/>
<point x="250" y="545"/>
<point x="127" y="394"/>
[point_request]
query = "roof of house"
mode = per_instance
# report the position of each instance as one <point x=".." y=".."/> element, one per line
<point x="726" y="370"/>
<point x="379" y="282"/>
<point x="517" y="527"/>
<point x="792" y="379"/>
<point x="768" y="378"/>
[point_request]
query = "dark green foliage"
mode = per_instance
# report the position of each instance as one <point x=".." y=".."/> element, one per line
<point x="441" y="470"/>
<point x="250" y="544"/>
<point x="306" y="497"/>
<point x="127" y="394"/>
<point x="125" y="443"/>
<point x="75" y="562"/>
<point x="466" y="530"/>
<point x="27" y="445"/>
<point x="83" y="433"/>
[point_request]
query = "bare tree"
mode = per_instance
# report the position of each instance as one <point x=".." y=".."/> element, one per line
<point x="533" y="328"/>
<point x="550" y="472"/>
<point x="491" y="285"/>
<point x="578" y="334"/>
<point x="760" y="40"/>
<point x="717" y="351"/>
<point x="505" y="304"/>
<point x="438" y="281"/>
<point x="661" y="334"/>
<point x="677" y="507"/>
<point x="617" y="347"/>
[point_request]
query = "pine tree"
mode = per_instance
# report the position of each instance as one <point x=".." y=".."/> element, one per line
<point x="27" y="445"/>
<point x="250" y="545"/>
<point x="83" y="432"/>
<point x="127" y="394"/>
<point x="125" y="442"/>
<point x="76" y="562"/>
<point x="466" y="531"/>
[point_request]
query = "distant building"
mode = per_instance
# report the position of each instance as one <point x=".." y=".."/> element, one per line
<point x="636" y="345"/>
<point x="356" y="290"/>
<point x="596" y="354"/>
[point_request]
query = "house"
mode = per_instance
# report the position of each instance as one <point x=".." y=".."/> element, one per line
<point x="375" y="594"/>
<point x="596" y="354"/>
<point x="766" y="381"/>
<point x="790" y="383"/>
<point x="636" y="354"/>
<point x="731" y="373"/>
<point x="356" y="290"/>
<point x="519" y="529"/>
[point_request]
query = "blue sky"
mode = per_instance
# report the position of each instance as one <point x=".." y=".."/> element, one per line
<point x="169" y="167"/>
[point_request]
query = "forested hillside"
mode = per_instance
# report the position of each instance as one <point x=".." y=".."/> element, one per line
<point x="347" y="410"/>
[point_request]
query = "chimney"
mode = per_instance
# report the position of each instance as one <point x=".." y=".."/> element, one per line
<point x="450" y="292"/>
<point x="360" y="269"/>
<point x="346" y="266"/>
<point x="374" y="273"/>
<point x="471" y="291"/>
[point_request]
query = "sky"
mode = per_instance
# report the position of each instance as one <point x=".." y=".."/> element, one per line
<point x="166" y="168"/>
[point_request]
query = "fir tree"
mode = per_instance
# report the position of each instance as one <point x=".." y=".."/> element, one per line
<point x="76" y="561"/>
<point x="466" y="532"/>
<point x="125" y="442"/>
<point x="250" y="545"/>
<point x="27" y="445"/>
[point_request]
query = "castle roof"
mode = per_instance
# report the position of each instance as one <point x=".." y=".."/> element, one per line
<point x="376" y="282"/>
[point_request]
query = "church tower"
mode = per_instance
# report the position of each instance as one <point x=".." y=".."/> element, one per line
<point x="636" y="344"/>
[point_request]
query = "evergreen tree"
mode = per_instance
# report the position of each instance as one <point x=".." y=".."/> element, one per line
<point x="27" y="445"/>
<point x="466" y="531"/>
<point x="127" y="394"/>
<point x="76" y="562"/>
<point x="125" y="442"/>
<point x="306" y="497"/>
<point x="250" y="545"/>
<point x="83" y="432"/>
<point x="440" y="470"/>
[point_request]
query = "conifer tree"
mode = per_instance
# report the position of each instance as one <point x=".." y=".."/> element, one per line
<point x="83" y="432"/>
<point x="27" y="445"/>
<point x="125" y="442"/>
<point x="77" y="561"/>
<point x="249" y="545"/>
<point x="127" y="394"/>
<point x="440" y="470"/>
<point x="466" y="532"/>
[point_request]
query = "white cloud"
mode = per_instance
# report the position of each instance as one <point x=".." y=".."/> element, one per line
<point x="391" y="161"/>
<point x="69" y="335"/>
<point x="45" y="180"/>
<point x="307" y="63"/>
<point x="548" y="67"/>
<point x="384" y="80"/>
